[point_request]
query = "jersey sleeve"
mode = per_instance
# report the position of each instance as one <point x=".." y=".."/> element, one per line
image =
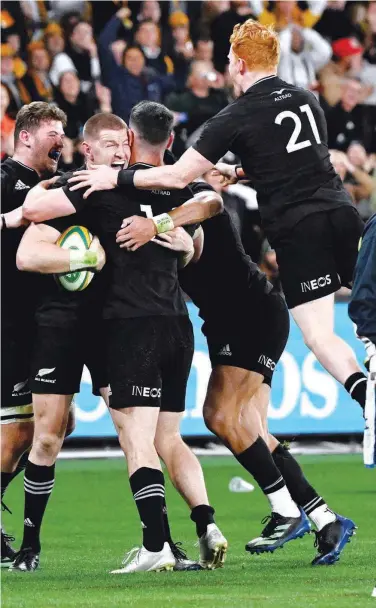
<point x="75" y="197"/>
<point x="217" y="136"/>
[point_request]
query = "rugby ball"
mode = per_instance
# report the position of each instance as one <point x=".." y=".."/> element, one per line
<point x="75" y="237"/>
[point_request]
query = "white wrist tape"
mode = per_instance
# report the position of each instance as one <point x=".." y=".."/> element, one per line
<point x="163" y="222"/>
<point x="79" y="260"/>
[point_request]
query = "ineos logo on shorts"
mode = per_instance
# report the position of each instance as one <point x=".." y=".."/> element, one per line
<point x="316" y="283"/>
<point x="264" y="360"/>
<point x="146" y="391"/>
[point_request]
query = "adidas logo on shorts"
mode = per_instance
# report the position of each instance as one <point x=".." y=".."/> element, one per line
<point x="225" y="351"/>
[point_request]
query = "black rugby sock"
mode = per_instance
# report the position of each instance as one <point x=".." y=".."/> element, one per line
<point x="38" y="484"/>
<point x="6" y="478"/>
<point x="301" y="491"/>
<point x="149" y="493"/>
<point x="166" y="523"/>
<point x="202" y="515"/>
<point x="258" y="461"/>
<point x="356" y="386"/>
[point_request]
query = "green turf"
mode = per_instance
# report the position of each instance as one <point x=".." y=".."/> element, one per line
<point x="91" y="522"/>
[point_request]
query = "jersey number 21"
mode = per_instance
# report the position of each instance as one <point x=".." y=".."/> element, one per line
<point x="293" y="145"/>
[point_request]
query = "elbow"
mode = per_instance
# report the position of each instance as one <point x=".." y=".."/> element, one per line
<point x="219" y="207"/>
<point x="24" y="261"/>
<point x="30" y="212"/>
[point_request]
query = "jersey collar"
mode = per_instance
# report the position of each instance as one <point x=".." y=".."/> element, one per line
<point x="26" y="174"/>
<point x="259" y="83"/>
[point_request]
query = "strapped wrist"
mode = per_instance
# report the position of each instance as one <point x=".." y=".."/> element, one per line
<point x="79" y="260"/>
<point x="163" y="222"/>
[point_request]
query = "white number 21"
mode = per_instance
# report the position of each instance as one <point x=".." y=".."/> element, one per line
<point x="292" y="145"/>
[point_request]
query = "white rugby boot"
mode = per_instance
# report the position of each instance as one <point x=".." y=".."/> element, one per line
<point x="142" y="560"/>
<point x="213" y="548"/>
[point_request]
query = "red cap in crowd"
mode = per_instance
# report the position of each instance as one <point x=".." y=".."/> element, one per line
<point x="345" y="47"/>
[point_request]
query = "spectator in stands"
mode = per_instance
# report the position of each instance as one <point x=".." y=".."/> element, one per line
<point x="148" y="37"/>
<point x="11" y="75"/>
<point x="150" y="10"/>
<point x="345" y="118"/>
<point x="204" y="49"/>
<point x="285" y="12"/>
<point x="37" y="80"/>
<point x="80" y="56"/>
<point x="357" y="182"/>
<point x="181" y="48"/>
<point x="54" y="39"/>
<point x="303" y="53"/>
<point x="347" y="63"/>
<point x="203" y="98"/>
<point x="336" y="22"/>
<point x="221" y="30"/>
<point x="6" y="125"/>
<point x="130" y="82"/>
<point x="76" y="104"/>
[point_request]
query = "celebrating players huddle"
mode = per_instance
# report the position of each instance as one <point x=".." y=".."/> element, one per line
<point x="159" y="232"/>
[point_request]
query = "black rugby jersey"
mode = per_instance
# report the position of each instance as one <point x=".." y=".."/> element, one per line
<point x="18" y="288"/>
<point x="279" y="132"/>
<point x="225" y="285"/>
<point x="144" y="282"/>
<point x="58" y="307"/>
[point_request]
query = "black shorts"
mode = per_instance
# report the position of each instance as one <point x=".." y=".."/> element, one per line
<point x="149" y="360"/>
<point x="59" y="356"/>
<point x="16" y="346"/>
<point x="318" y="255"/>
<point x="259" y="342"/>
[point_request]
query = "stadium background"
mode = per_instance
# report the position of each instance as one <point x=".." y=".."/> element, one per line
<point x="104" y="55"/>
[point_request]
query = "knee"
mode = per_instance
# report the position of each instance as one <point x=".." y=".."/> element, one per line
<point x="71" y="425"/>
<point x="313" y="338"/>
<point x="48" y="444"/>
<point x="217" y="420"/>
<point x="166" y="445"/>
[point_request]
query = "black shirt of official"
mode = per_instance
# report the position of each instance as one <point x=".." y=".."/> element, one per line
<point x="144" y="282"/>
<point x="279" y="132"/>
<point x="18" y="288"/>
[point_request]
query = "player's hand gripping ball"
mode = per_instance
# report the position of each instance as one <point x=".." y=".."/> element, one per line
<point x="79" y="239"/>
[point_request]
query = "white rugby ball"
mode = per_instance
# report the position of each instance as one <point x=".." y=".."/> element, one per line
<point x="75" y="237"/>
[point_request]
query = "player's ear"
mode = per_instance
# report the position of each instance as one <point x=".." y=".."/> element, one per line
<point x="25" y="137"/>
<point x="170" y="141"/>
<point x="242" y="66"/>
<point x="87" y="151"/>
<point x="130" y="137"/>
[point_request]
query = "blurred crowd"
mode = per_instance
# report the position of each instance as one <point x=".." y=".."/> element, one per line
<point x="108" y="55"/>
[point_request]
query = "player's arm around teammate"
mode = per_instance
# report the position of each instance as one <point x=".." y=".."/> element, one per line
<point x="38" y="252"/>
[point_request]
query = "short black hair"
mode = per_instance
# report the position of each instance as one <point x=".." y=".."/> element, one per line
<point x="152" y="121"/>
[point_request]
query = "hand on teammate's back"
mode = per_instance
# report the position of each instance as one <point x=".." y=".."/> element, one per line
<point x="100" y="177"/>
<point x="136" y="231"/>
<point x="177" y="239"/>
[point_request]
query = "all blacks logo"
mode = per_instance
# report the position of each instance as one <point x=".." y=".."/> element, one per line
<point x="316" y="283"/>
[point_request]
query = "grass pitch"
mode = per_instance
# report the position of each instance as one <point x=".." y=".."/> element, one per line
<point x="91" y="521"/>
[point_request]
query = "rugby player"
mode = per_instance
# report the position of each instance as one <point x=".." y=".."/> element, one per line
<point x="246" y="328"/>
<point x="279" y="132"/>
<point x="39" y="140"/>
<point x="145" y="310"/>
<point x="362" y="311"/>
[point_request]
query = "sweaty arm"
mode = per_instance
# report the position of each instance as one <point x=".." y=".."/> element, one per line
<point x="38" y="252"/>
